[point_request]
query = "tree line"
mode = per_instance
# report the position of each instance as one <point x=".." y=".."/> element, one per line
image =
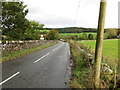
<point x="108" y="33"/>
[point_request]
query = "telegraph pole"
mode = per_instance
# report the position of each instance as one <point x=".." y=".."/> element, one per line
<point x="99" y="42"/>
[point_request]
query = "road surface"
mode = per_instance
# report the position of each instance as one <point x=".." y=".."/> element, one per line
<point x="47" y="68"/>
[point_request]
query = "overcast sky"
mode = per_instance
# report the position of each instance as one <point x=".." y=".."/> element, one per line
<point x="62" y="13"/>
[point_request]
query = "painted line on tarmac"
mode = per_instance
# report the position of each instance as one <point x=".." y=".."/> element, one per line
<point x="55" y="49"/>
<point x="41" y="57"/>
<point x="9" y="78"/>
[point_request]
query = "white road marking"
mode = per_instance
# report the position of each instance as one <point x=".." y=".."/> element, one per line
<point x="9" y="78"/>
<point x="55" y="49"/>
<point x="41" y="58"/>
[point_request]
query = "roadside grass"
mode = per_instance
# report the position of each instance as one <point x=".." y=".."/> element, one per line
<point x="76" y="33"/>
<point x="79" y="71"/>
<point x="82" y="75"/>
<point x="110" y="50"/>
<point x="13" y="55"/>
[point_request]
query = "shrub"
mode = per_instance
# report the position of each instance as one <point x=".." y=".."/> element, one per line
<point x="83" y="36"/>
<point x="111" y="33"/>
<point x="90" y="36"/>
<point x="52" y="35"/>
<point x="106" y="35"/>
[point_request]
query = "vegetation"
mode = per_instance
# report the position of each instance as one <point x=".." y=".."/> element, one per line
<point x="77" y="36"/>
<point x="80" y="72"/>
<point x="16" y="27"/>
<point x="15" y="54"/>
<point x="110" y="47"/>
<point x="76" y="33"/>
<point x="83" y="71"/>
<point x="14" y="24"/>
<point x="108" y="34"/>
<point x="52" y="35"/>
<point x="44" y="31"/>
<point x="73" y="29"/>
<point x="36" y="25"/>
<point x="111" y="33"/>
<point x="81" y="30"/>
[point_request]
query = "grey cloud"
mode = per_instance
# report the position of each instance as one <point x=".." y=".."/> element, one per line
<point x="58" y="21"/>
<point x="35" y="10"/>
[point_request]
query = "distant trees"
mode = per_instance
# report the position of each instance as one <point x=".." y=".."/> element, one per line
<point x="75" y="30"/>
<point x="84" y="36"/>
<point x="110" y="33"/>
<point x="14" y="22"/>
<point x="52" y="35"/>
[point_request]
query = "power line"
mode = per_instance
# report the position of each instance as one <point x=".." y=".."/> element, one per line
<point x="77" y="11"/>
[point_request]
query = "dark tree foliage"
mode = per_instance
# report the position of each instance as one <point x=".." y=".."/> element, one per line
<point x="52" y="35"/>
<point x="14" y="22"/>
<point x="90" y="36"/>
<point x="73" y="29"/>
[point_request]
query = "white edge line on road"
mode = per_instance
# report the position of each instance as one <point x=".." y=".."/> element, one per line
<point x="9" y="78"/>
<point x="41" y="58"/>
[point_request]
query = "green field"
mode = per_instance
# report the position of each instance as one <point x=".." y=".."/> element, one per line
<point x="110" y="47"/>
<point x="76" y="33"/>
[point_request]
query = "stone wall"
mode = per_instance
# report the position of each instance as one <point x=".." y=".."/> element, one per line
<point x="21" y="45"/>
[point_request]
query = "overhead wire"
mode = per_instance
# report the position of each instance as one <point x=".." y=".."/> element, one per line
<point x="77" y="11"/>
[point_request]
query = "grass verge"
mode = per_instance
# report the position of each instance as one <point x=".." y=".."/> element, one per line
<point x="83" y="68"/>
<point x="80" y="72"/>
<point x="13" y="55"/>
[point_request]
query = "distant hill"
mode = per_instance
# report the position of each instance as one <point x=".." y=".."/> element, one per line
<point x="77" y="29"/>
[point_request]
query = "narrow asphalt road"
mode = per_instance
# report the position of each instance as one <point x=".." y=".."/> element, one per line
<point x="47" y="68"/>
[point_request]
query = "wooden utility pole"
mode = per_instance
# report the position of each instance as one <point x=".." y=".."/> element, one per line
<point x="99" y="42"/>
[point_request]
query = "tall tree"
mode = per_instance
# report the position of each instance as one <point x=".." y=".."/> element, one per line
<point x="36" y="25"/>
<point x="14" y="22"/>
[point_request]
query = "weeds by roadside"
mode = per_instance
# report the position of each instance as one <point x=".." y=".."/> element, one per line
<point x="83" y="68"/>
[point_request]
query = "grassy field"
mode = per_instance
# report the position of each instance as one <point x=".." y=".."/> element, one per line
<point x="76" y="33"/>
<point x="110" y="47"/>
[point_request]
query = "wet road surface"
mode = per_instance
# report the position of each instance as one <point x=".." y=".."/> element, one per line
<point x="46" y="68"/>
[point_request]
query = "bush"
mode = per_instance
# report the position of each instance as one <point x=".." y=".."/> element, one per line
<point x="106" y="35"/>
<point x="83" y="36"/>
<point x="111" y="33"/>
<point x="52" y="35"/>
<point x="90" y="36"/>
